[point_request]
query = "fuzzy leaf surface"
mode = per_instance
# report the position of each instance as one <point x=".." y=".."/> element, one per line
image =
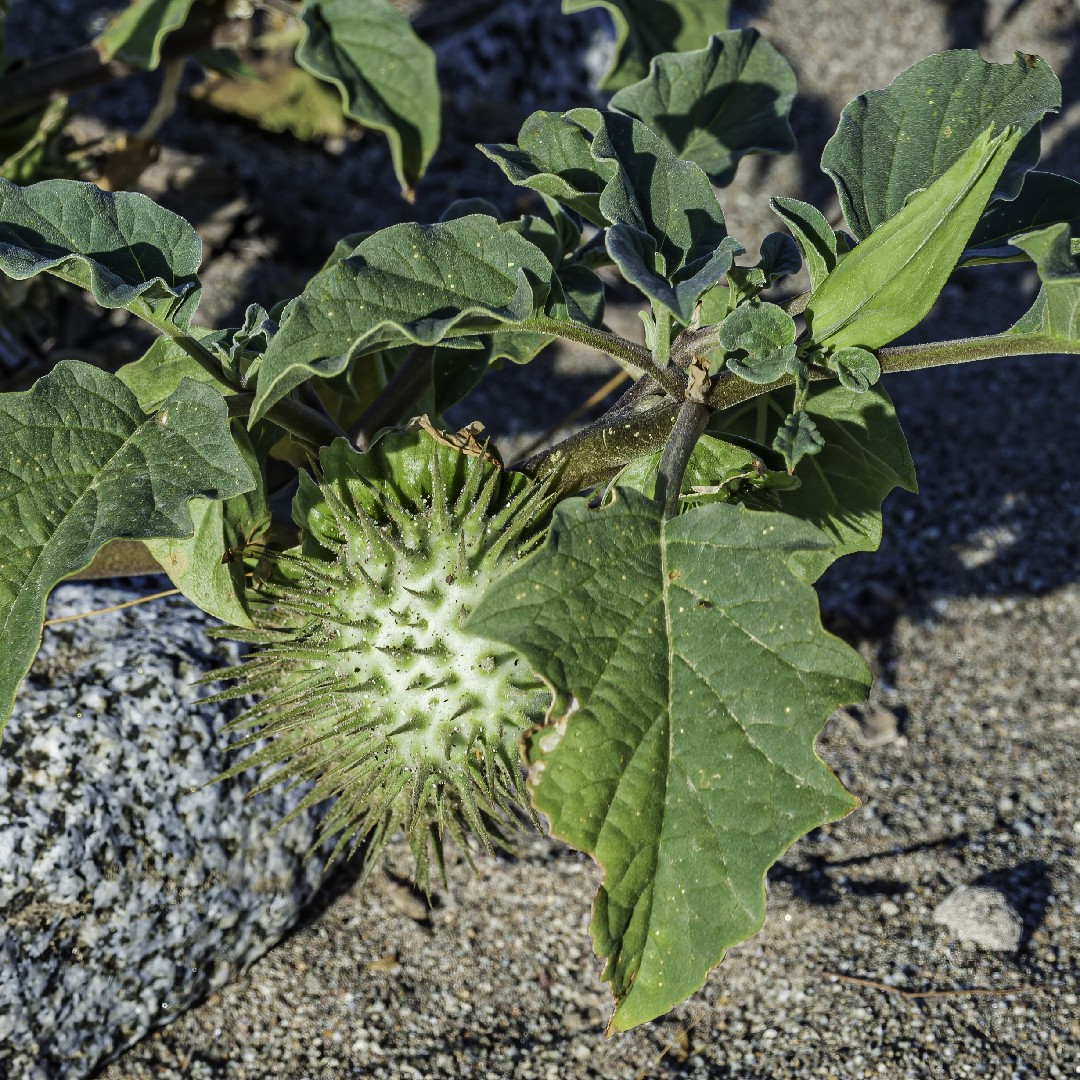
<point x="125" y="249"/>
<point x="765" y="333"/>
<point x="208" y="567"/>
<point x="691" y="677"/>
<point x="715" y="105"/>
<point x="667" y="232"/>
<point x="384" y="72"/>
<point x="83" y="464"/>
<point x="896" y="141"/>
<point x="842" y="488"/>
<point x="408" y="284"/>
<point x="1056" y="311"/>
<point x="553" y="156"/>
<point x="646" y="28"/>
<point x="135" y="35"/>
<point x="890" y="281"/>
<point x="813" y="234"/>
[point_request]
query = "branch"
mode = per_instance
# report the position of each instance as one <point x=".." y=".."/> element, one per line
<point x="31" y="87"/>
<point x="635" y="358"/>
<point x="403" y="388"/>
<point x="691" y="421"/>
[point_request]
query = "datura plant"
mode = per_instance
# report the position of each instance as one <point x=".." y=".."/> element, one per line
<point x="617" y="637"/>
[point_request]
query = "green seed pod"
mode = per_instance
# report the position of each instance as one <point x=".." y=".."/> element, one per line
<point x="365" y="678"/>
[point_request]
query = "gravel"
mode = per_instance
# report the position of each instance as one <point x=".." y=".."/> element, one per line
<point x="966" y="763"/>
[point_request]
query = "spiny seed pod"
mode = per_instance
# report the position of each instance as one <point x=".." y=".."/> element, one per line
<point x="366" y="680"/>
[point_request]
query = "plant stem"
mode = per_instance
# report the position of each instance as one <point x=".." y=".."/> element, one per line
<point x="964" y="350"/>
<point x="313" y="429"/>
<point x="633" y="357"/>
<point x="31" y="87"/>
<point x="691" y="421"/>
<point x="662" y="340"/>
<point x="407" y="384"/>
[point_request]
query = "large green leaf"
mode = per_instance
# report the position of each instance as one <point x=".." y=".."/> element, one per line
<point x="128" y="251"/>
<point x="691" y="677"/>
<point x="385" y="73"/>
<point x="715" y="105"/>
<point x="209" y="566"/>
<point x="135" y="35"/>
<point x="82" y="465"/>
<point x="1056" y="311"/>
<point x="890" y="281"/>
<point x="842" y="487"/>
<point x="553" y="156"/>
<point x="665" y="229"/>
<point x="1045" y="199"/>
<point x="408" y="284"/>
<point x="646" y="28"/>
<point x="893" y="142"/>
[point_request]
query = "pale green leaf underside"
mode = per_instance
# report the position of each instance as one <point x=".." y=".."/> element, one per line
<point x="136" y="34"/>
<point x="894" y="141"/>
<point x="715" y="105"/>
<point x="646" y="28"/>
<point x="123" y="248"/>
<point x="208" y="567"/>
<point x="1056" y="311"/>
<point x="408" y="284"/>
<point x="691" y="675"/>
<point x="890" y="281"/>
<point x="84" y="465"/>
<point x="842" y="488"/>
<point x="385" y="73"/>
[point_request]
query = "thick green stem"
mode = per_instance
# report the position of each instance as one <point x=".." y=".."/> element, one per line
<point x="313" y="429"/>
<point x="964" y="350"/>
<point x="662" y="340"/>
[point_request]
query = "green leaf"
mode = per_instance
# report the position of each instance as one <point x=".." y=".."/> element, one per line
<point x="208" y="567"/>
<point x="778" y="256"/>
<point x="667" y="234"/>
<point x="408" y="284"/>
<point x="891" y="143"/>
<point x="715" y="105"/>
<point x="858" y="369"/>
<point x="646" y="28"/>
<point x="813" y="234"/>
<point x="890" y="281"/>
<point x="865" y="456"/>
<point x="160" y="370"/>
<point x="691" y="677"/>
<point x="798" y="437"/>
<point x="1045" y="199"/>
<point x="24" y="144"/>
<point x="718" y="471"/>
<point x="385" y="73"/>
<point x="83" y="464"/>
<point x="1056" y="311"/>
<point x="135" y="35"/>
<point x="126" y="250"/>
<point x="553" y="157"/>
<point x="455" y="371"/>
<point x="765" y="335"/>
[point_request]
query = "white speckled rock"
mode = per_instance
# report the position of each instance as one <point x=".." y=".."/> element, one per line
<point x="128" y="888"/>
<point x="982" y="916"/>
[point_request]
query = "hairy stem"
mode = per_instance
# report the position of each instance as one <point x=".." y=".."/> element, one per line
<point x="690" y="422"/>
<point x="404" y="387"/>
<point x="633" y="357"/>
